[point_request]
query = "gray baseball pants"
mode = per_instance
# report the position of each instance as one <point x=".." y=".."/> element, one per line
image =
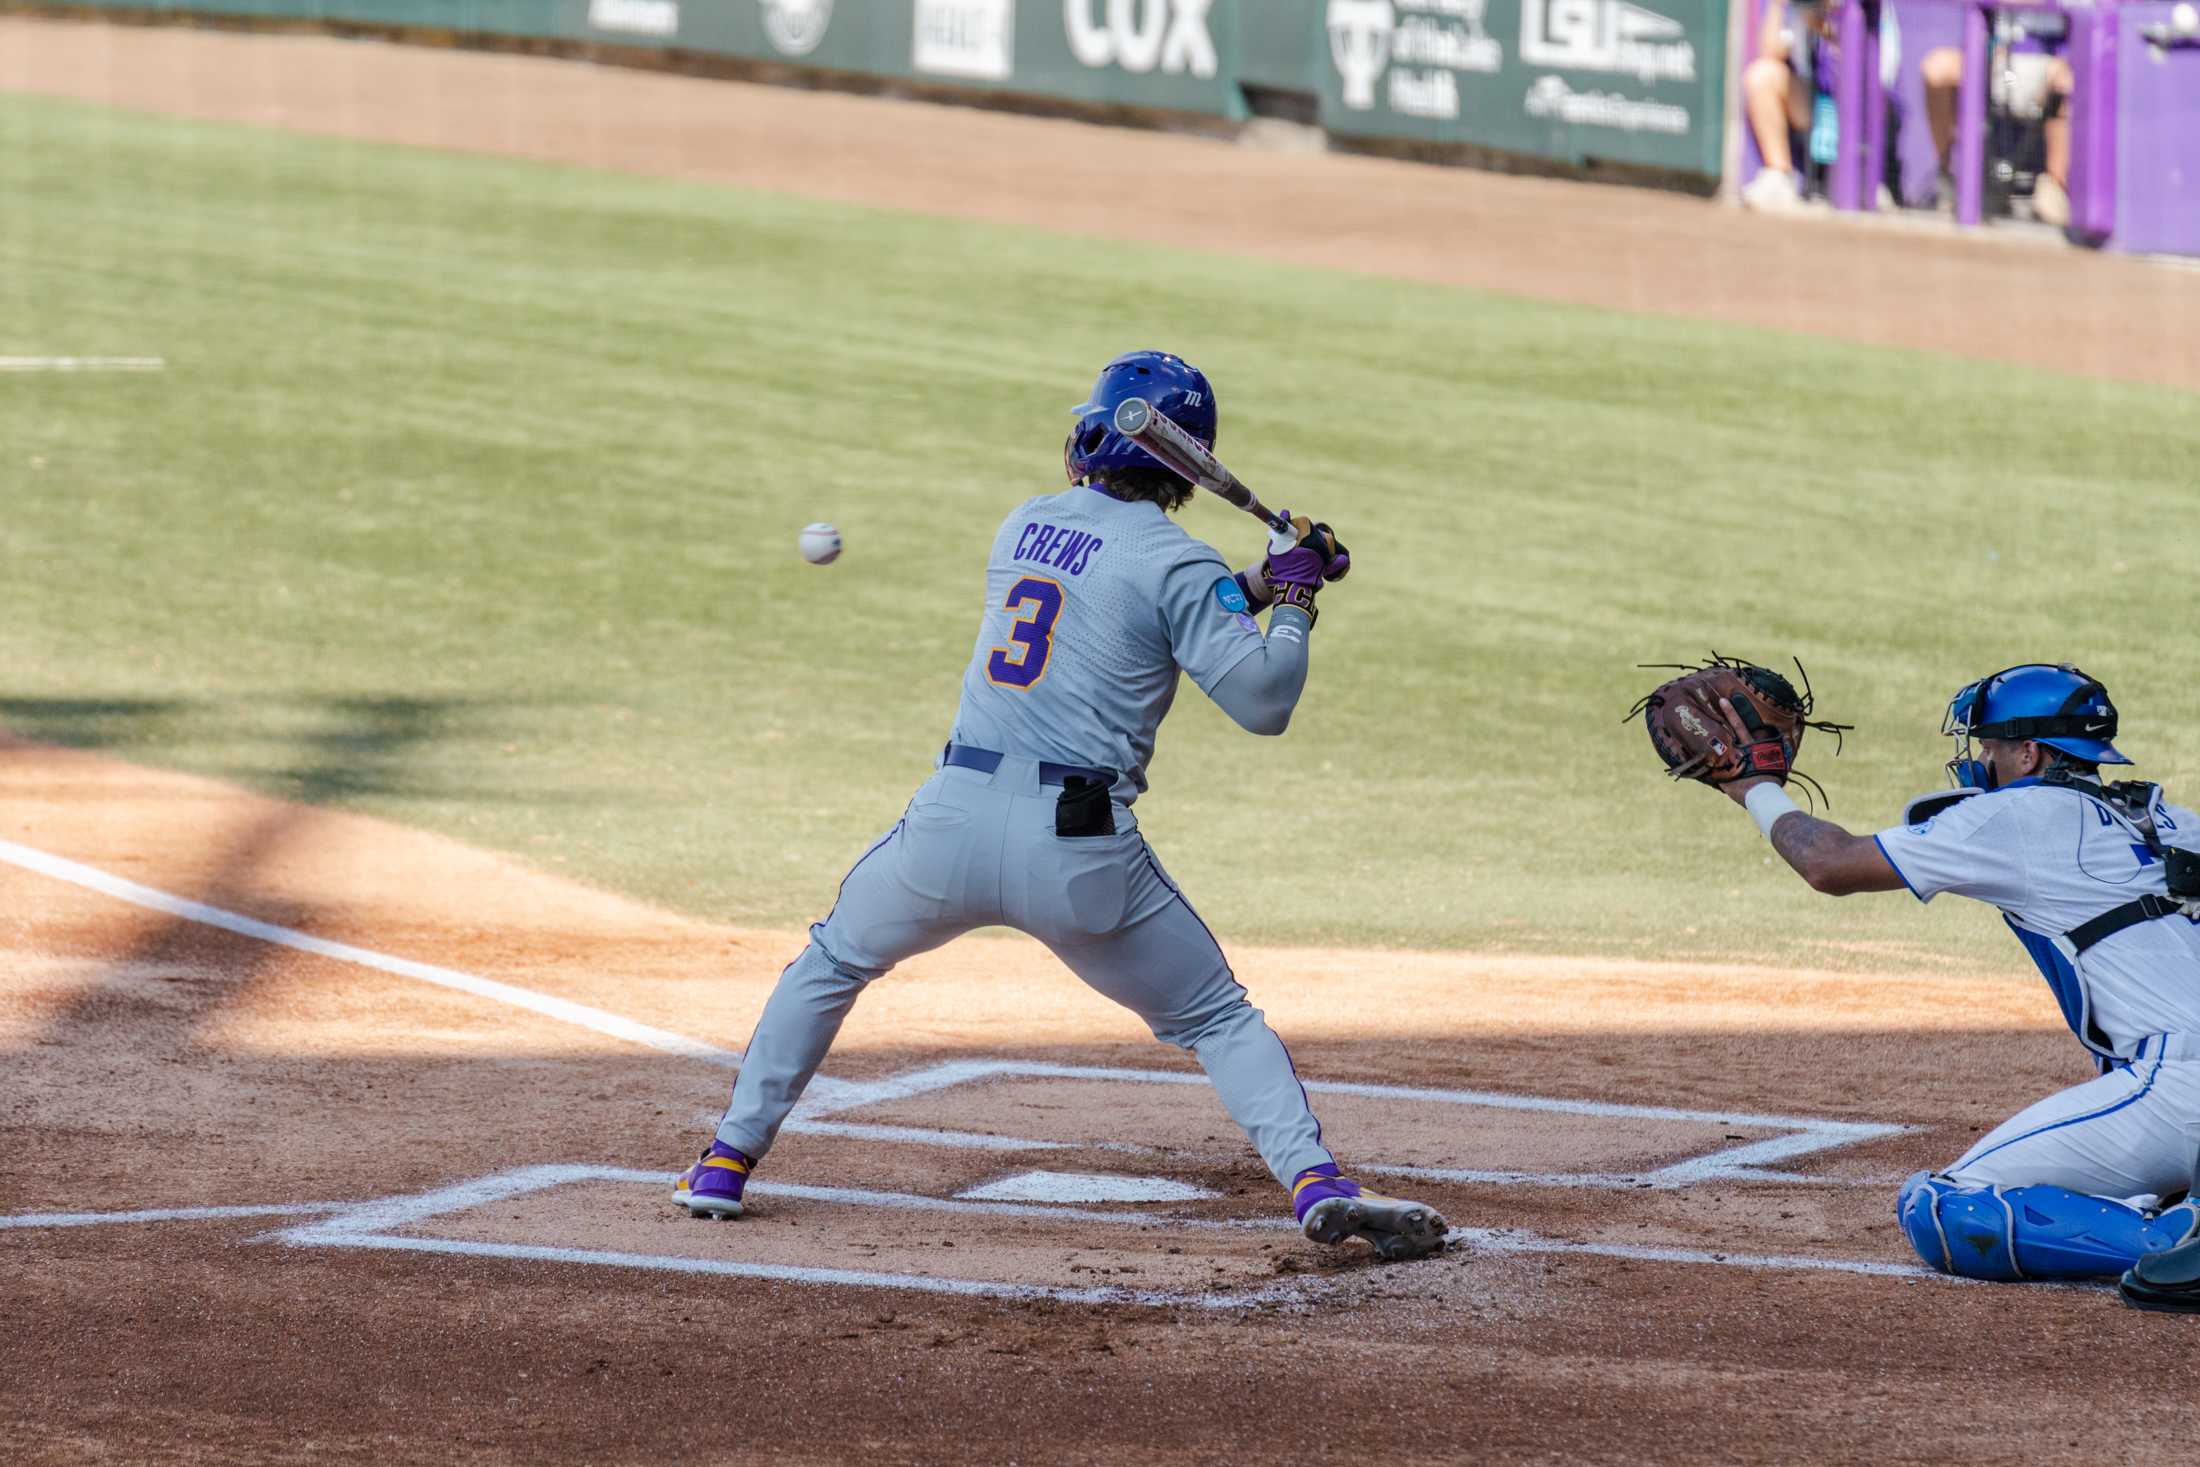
<point x="980" y="850"/>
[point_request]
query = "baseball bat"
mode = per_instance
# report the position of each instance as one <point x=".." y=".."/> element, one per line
<point x="1185" y="455"/>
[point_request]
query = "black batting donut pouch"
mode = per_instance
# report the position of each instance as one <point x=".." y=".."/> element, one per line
<point x="1084" y="808"/>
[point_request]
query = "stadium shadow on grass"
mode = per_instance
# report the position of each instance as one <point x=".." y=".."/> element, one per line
<point x="362" y="748"/>
<point x="320" y="749"/>
<point x="93" y="723"/>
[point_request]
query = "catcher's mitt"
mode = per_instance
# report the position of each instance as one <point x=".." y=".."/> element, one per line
<point x="1727" y="719"/>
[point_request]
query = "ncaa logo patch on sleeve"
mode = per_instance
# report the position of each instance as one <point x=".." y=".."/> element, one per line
<point x="1230" y="595"/>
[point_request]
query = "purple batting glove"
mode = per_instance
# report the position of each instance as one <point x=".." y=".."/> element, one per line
<point x="1300" y="566"/>
<point x="1318" y="557"/>
<point x="1340" y="559"/>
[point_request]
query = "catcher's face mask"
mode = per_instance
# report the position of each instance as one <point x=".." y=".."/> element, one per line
<point x="2053" y="704"/>
<point x="1966" y="770"/>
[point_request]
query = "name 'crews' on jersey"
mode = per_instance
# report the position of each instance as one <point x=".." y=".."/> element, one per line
<point x="1092" y="605"/>
<point x="2053" y="858"/>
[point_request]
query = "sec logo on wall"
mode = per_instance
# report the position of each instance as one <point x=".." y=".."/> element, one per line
<point x="794" y="27"/>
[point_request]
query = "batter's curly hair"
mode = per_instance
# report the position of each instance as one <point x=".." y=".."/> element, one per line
<point x="1155" y="485"/>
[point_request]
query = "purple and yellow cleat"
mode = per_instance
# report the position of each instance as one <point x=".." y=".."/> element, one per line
<point x="712" y="1187"/>
<point x="1332" y="1208"/>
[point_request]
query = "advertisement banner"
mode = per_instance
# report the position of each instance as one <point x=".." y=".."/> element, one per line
<point x="864" y="36"/>
<point x="1170" y="54"/>
<point x="1174" y="55"/>
<point x="655" y="20"/>
<point x="971" y="39"/>
<point x="1571" y="80"/>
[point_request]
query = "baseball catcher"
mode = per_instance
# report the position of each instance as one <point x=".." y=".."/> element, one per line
<point x="2101" y="884"/>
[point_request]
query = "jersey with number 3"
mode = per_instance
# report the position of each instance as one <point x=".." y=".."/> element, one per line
<point x="2053" y="858"/>
<point x="1093" y="605"/>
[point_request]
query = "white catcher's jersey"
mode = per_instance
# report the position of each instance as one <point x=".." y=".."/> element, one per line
<point x="1092" y="605"/>
<point x="2051" y="858"/>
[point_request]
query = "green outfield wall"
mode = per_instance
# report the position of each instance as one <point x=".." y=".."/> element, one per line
<point x="1570" y="81"/>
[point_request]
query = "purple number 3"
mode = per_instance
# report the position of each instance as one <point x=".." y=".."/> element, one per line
<point x="1034" y="602"/>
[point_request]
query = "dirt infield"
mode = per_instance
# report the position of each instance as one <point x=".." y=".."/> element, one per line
<point x="1915" y="285"/>
<point x="451" y="1137"/>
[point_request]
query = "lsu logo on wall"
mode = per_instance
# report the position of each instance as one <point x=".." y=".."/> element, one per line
<point x="794" y="27"/>
<point x="1142" y="35"/>
<point x="1606" y="35"/>
<point x="1423" y="44"/>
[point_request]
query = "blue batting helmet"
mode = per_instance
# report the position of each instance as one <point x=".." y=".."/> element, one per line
<point x="1178" y="391"/>
<point x="2054" y="704"/>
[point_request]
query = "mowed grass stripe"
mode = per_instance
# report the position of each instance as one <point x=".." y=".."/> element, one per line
<point x="469" y="498"/>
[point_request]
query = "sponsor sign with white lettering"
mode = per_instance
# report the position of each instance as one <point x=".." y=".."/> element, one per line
<point x="635" y="17"/>
<point x="966" y="38"/>
<point x="1417" y="50"/>
<point x="1589" y="80"/>
<point x="1551" y="97"/>
<point x="1170" y="36"/>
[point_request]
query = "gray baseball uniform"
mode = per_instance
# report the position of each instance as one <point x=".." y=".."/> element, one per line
<point x="1093" y="606"/>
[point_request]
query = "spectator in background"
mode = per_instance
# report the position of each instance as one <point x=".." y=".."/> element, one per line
<point x="2039" y="83"/>
<point x="1782" y="90"/>
<point x="1788" y="93"/>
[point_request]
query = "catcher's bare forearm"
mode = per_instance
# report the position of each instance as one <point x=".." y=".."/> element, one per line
<point x="1829" y="858"/>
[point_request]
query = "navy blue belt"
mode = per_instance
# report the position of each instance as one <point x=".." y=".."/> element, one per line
<point x="985" y="761"/>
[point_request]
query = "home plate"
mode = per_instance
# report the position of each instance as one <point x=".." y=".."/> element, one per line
<point x="1083" y="1187"/>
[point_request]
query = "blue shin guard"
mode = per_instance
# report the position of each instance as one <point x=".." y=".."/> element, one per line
<point x="2035" y="1232"/>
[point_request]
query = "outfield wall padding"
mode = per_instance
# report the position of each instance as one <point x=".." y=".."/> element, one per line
<point x="1572" y="82"/>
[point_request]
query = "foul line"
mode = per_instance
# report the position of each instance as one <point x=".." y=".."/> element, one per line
<point x="82" y="364"/>
<point x="565" y="1010"/>
<point x="169" y="1214"/>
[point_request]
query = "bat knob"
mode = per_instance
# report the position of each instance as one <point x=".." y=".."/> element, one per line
<point x="1132" y="415"/>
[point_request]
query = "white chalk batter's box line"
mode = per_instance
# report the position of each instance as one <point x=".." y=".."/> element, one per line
<point x="1797" y="1135"/>
<point x="1750" y="1161"/>
<point x="373" y="1226"/>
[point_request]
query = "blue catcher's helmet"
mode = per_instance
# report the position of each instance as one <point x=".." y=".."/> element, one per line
<point x="1178" y="391"/>
<point x="2054" y="704"/>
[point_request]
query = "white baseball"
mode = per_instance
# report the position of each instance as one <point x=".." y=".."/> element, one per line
<point x="2184" y="19"/>
<point x="820" y="543"/>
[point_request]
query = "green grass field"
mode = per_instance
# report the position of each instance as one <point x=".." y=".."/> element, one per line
<point x="469" y="497"/>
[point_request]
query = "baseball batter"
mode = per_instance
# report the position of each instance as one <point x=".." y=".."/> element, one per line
<point x="1095" y="602"/>
<point x="2099" y="882"/>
